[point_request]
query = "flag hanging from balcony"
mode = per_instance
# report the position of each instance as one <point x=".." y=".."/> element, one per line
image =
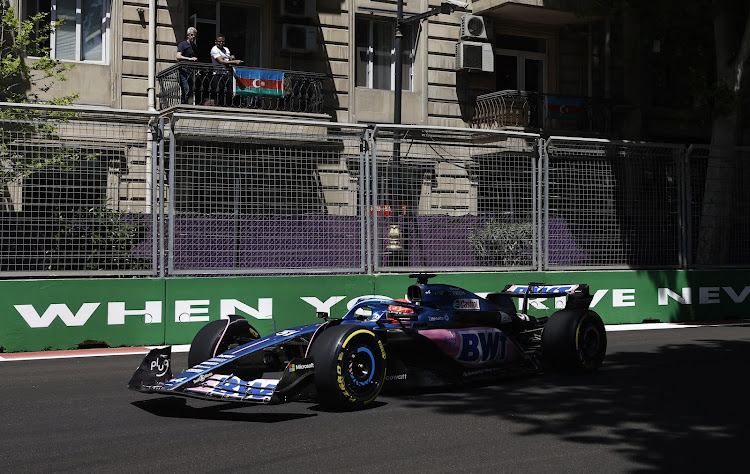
<point x="565" y="108"/>
<point x="257" y="82"/>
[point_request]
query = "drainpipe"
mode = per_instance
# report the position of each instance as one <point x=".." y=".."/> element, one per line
<point x="151" y="55"/>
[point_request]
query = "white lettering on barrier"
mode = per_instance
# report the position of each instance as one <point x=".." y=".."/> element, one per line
<point x="53" y="311"/>
<point x="537" y="303"/>
<point x="735" y="297"/>
<point x="598" y="295"/>
<point x="230" y="306"/>
<point x="116" y="312"/>
<point x="184" y="311"/>
<point x="623" y="297"/>
<point x="706" y="295"/>
<point x="709" y="295"/>
<point x="665" y="293"/>
<point x="198" y="310"/>
<point x="320" y="306"/>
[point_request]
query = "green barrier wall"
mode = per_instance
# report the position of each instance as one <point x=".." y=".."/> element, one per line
<point x="65" y="314"/>
<point x="62" y="314"/>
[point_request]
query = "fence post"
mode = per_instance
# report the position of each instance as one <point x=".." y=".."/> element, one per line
<point x="372" y="211"/>
<point x="543" y="204"/>
<point x="171" y="197"/>
<point x="686" y="211"/>
<point x="159" y="187"/>
<point x="365" y="202"/>
<point x="152" y="181"/>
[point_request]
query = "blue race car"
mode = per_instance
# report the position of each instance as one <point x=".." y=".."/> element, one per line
<point x="441" y="334"/>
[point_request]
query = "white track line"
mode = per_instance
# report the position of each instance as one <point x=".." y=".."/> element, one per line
<point x="117" y="351"/>
<point x="644" y="326"/>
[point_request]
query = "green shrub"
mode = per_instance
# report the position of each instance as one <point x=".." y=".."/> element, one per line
<point x="97" y="239"/>
<point x="502" y="244"/>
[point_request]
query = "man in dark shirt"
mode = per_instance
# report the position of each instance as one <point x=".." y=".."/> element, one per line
<point x="186" y="51"/>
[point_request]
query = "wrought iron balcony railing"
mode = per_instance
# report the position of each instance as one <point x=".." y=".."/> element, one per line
<point x="542" y="112"/>
<point x="206" y="84"/>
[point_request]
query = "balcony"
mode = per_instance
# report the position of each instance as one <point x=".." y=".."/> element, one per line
<point x="546" y="113"/>
<point x="300" y="92"/>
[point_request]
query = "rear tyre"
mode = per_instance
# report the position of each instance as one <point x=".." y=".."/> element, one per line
<point x="216" y="337"/>
<point x="574" y="341"/>
<point x="350" y="364"/>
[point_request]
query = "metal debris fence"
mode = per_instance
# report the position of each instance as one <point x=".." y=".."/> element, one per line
<point x="453" y="200"/>
<point x="77" y="192"/>
<point x="94" y="192"/>
<point x="264" y="196"/>
<point x="615" y="205"/>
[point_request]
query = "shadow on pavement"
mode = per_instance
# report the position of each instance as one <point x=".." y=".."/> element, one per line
<point x="681" y="408"/>
<point x="176" y="407"/>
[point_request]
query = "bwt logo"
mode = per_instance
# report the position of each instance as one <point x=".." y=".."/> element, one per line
<point x="555" y="289"/>
<point x="482" y="346"/>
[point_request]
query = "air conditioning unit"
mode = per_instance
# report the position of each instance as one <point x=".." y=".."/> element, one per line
<point x="299" y="38"/>
<point x="473" y="27"/>
<point x="298" y="8"/>
<point x="471" y="55"/>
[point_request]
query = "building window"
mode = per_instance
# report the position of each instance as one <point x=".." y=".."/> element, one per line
<point x="520" y="63"/>
<point x="241" y="25"/>
<point x="81" y="34"/>
<point x="376" y="51"/>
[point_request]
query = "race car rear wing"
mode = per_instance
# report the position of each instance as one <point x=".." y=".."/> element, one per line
<point x="578" y="295"/>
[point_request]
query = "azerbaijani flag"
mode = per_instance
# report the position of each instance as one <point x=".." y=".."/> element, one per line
<point x="566" y="108"/>
<point x="257" y="82"/>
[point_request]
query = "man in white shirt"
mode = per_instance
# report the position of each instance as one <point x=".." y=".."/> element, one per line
<point x="223" y="61"/>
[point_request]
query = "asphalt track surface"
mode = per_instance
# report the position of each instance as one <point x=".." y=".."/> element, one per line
<point x="666" y="400"/>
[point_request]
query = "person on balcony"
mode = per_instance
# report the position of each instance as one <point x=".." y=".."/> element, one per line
<point x="223" y="61"/>
<point x="186" y="51"/>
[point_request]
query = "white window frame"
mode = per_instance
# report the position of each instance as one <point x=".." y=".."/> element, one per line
<point x="521" y="57"/>
<point x="371" y="54"/>
<point x="194" y="20"/>
<point x="105" y="26"/>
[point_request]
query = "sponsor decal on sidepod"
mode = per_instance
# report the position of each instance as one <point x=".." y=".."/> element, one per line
<point x="466" y="304"/>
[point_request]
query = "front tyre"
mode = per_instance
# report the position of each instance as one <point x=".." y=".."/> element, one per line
<point x="574" y="341"/>
<point x="350" y="363"/>
<point x="216" y="337"/>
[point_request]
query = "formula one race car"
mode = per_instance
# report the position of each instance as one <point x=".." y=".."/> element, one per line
<point x="441" y="334"/>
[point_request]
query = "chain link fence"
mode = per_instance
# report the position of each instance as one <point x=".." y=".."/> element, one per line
<point x="717" y="206"/>
<point x="76" y="192"/>
<point x="454" y="199"/>
<point x="264" y="196"/>
<point x="613" y="204"/>
<point x="89" y="192"/>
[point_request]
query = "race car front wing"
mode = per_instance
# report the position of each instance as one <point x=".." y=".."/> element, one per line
<point x="154" y="375"/>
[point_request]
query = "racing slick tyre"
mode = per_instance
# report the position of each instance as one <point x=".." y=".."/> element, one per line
<point x="350" y="364"/>
<point x="216" y="337"/>
<point x="574" y="341"/>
